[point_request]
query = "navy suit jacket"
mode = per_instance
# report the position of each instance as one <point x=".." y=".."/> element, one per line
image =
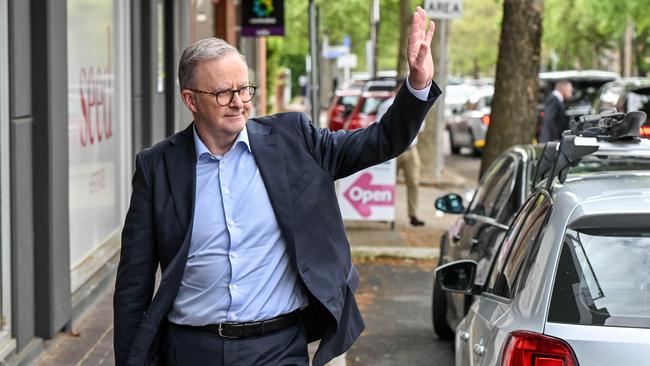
<point x="555" y="120"/>
<point x="298" y="164"/>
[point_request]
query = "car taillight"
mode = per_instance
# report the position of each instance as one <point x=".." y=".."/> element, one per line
<point x="645" y="131"/>
<point x="523" y="348"/>
<point x="486" y="120"/>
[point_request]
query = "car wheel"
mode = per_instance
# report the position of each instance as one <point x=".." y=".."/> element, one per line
<point x="475" y="152"/>
<point x="455" y="149"/>
<point x="439" y="313"/>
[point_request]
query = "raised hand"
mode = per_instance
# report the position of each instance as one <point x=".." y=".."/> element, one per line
<point x="419" y="50"/>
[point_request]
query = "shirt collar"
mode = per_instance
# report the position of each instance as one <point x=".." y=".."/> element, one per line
<point x="201" y="149"/>
<point x="558" y="95"/>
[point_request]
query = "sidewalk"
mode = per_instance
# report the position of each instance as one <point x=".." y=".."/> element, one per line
<point x="91" y="339"/>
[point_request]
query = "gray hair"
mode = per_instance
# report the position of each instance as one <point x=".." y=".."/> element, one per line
<point x="199" y="51"/>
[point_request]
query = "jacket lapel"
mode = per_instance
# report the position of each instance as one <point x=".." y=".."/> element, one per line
<point x="180" y="161"/>
<point x="271" y="163"/>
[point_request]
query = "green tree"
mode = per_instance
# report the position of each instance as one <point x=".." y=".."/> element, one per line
<point x="474" y="38"/>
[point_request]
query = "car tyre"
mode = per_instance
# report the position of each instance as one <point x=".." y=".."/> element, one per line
<point x="439" y="313"/>
<point x="455" y="149"/>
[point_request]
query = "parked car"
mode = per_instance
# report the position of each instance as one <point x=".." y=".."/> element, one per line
<point x="625" y="95"/>
<point x="365" y="111"/>
<point x="500" y="193"/>
<point x="380" y="85"/>
<point x="585" y="86"/>
<point x="456" y="95"/>
<point x="569" y="283"/>
<point x="469" y="128"/>
<point x="341" y="106"/>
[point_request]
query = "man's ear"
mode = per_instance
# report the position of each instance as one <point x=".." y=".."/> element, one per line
<point x="189" y="100"/>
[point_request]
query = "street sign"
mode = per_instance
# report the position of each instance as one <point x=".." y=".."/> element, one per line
<point x="349" y="61"/>
<point x="369" y="195"/>
<point x="262" y="18"/>
<point x="335" y="51"/>
<point x="444" y="9"/>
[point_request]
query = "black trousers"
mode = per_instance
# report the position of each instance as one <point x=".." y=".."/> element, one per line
<point x="188" y="347"/>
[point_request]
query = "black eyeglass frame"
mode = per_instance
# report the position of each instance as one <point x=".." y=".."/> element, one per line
<point x="230" y="91"/>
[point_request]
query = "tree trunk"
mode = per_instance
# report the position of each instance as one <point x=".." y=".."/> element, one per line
<point x="406" y="14"/>
<point x="514" y="107"/>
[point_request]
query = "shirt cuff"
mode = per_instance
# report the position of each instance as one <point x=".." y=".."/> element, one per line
<point x="422" y="94"/>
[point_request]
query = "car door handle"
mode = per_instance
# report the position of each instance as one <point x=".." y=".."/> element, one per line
<point x="464" y="336"/>
<point x="478" y="349"/>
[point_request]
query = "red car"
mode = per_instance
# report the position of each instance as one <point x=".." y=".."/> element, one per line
<point x="341" y="107"/>
<point x="365" y="111"/>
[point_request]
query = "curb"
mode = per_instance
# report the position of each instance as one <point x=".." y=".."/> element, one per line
<point x="395" y="252"/>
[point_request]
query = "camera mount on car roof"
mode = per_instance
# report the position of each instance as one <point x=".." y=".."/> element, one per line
<point x="582" y="140"/>
<point x="610" y="125"/>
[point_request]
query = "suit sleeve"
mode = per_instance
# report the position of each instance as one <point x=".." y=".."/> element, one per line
<point x="138" y="262"/>
<point x="343" y="153"/>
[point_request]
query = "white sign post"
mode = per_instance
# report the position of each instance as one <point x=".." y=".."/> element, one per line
<point x="442" y="10"/>
<point x="369" y="195"/>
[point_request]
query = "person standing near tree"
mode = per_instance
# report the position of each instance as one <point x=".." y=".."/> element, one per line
<point x="555" y="120"/>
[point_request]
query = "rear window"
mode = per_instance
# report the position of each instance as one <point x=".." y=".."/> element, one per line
<point x="371" y="105"/>
<point x="603" y="278"/>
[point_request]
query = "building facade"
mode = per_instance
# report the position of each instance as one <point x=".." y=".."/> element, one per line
<point x="84" y="85"/>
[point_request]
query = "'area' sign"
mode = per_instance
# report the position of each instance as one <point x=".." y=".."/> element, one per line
<point x="444" y="9"/>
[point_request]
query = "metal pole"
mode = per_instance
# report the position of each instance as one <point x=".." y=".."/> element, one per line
<point x="313" y="52"/>
<point x="374" y="33"/>
<point x="442" y="83"/>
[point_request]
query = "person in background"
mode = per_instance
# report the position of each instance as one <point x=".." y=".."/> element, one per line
<point x="409" y="163"/>
<point x="555" y="120"/>
<point x="241" y="217"/>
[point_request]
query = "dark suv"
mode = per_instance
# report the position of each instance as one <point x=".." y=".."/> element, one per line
<point x="501" y="191"/>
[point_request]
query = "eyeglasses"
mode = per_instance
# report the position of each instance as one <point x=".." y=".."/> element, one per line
<point x="225" y="97"/>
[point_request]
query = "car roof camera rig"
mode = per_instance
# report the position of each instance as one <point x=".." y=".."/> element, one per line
<point x="582" y="140"/>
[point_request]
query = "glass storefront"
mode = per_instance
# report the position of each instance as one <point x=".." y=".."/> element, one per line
<point x="98" y="130"/>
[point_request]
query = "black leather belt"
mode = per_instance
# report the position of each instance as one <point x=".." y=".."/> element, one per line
<point x="248" y="329"/>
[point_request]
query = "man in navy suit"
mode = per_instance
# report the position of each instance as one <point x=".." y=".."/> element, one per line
<point x="555" y="120"/>
<point x="241" y="215"/>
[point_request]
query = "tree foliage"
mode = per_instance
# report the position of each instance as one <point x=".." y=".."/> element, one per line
<point x="474" y="38"/>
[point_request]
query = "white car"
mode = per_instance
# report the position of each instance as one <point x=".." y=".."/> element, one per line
<point x="570" y="284"/>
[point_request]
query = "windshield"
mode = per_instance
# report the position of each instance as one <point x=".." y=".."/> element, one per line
<point x="371" y="105"/>
<point x="603" y="278"/>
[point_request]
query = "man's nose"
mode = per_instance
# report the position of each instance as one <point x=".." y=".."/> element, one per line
<point x="236" y="100"/>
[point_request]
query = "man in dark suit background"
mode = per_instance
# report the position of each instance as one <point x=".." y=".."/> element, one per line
<point x="241" y="215"/>
<point x="555" y="120"/>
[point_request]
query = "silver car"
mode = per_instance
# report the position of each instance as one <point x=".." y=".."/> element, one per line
<point x="570" y="284"/>
<point x="469" y="128"/>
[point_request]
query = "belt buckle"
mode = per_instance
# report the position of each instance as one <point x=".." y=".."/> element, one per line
<point x="220" y="331"/>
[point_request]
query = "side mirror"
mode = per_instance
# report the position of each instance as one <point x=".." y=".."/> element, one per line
<point x="457" y="276"/>
<point x="450" y="203"/>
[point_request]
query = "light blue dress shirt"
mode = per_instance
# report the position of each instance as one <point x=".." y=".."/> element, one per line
<point x="238" y="268"/>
